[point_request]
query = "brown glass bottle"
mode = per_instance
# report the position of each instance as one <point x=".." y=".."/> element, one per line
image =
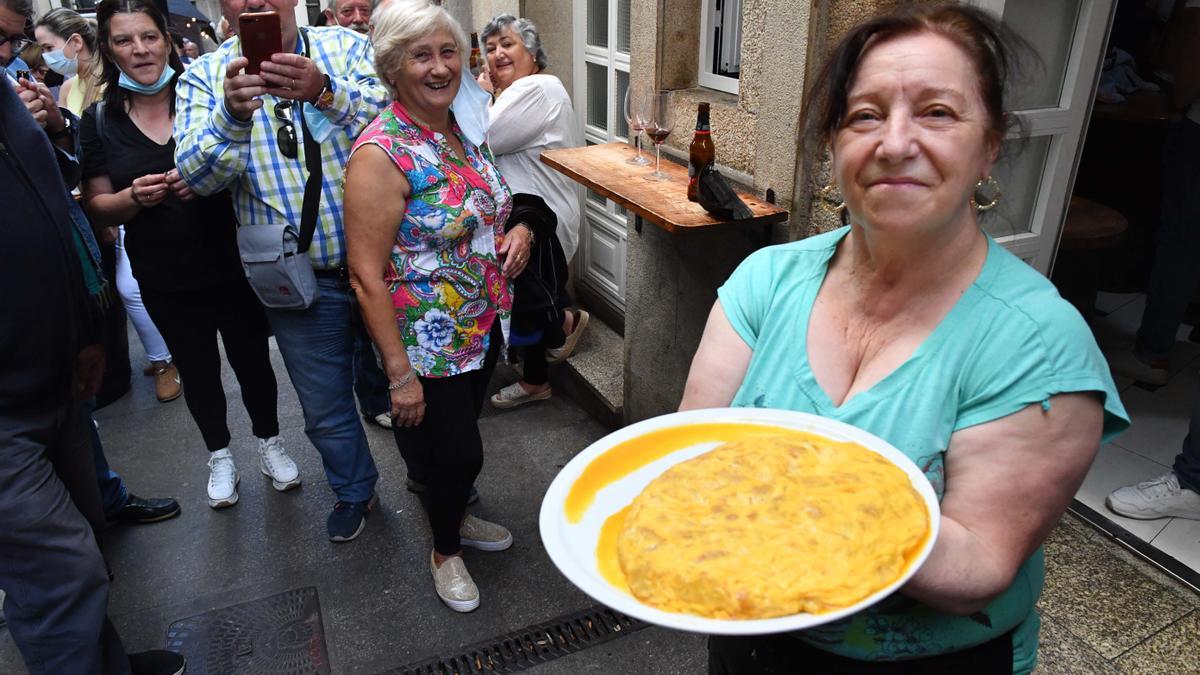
<point x="701" y="154"/>
<point x="476" y="60"/>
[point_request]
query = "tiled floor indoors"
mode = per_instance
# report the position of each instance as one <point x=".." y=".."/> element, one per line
<point x="1160" y="422"/>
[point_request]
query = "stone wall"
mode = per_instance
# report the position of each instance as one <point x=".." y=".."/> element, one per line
<point x="555" y="25"/>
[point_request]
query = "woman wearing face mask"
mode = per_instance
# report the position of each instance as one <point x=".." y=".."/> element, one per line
<point x="182" y="247"/>
<point x="69" y="48"/>
<point x="533" y="113"/>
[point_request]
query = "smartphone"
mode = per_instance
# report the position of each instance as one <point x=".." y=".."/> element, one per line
<point x="261" y="37"/>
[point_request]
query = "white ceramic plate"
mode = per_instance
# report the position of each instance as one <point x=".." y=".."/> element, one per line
<point x="572" y="546"/>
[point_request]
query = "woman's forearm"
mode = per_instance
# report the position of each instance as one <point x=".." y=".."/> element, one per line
<point x="111" y="209"/>
<point x="375" y="303"/>
<point x="962" y="575"/>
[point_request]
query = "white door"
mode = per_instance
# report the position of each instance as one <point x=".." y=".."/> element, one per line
<point x="1053" y="106"/>
<point x="601" y="78"/>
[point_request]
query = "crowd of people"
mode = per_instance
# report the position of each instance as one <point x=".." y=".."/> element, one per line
<point x="173" y="153"/>
<point x="436" y="238"/>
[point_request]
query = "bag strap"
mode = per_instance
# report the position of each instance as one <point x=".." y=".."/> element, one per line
<point x="100" y="119"/>
<point x="312" y="187"/>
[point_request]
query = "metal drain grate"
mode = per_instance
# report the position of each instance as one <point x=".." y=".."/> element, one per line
<point x="280" y="634"/>
<point x="531" y="646"/>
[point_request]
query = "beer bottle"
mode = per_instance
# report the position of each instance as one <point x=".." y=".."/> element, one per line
<point x="476" y="60"/>
<point x="701" y="153"/>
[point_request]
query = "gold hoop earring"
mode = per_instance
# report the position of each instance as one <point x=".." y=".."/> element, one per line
<point x="994" y="186"/>
<point x="829" y="203"/>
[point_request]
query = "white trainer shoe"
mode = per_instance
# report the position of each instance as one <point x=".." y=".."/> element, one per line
<point x="1161" y="497"/>
<point x="222" y="479"/>
<point x="275" y="464"/>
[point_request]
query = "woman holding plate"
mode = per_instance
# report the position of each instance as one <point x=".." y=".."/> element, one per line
<point x="911" y="323"/>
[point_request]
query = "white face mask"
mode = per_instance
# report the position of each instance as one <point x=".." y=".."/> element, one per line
<point x="470" y="108"/>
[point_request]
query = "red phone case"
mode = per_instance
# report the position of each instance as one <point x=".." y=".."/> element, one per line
<point x="261" y="37"/>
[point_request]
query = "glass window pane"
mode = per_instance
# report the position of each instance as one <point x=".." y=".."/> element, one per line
<point x="1050" y="28"/>
<point x="1020" y="178"/>
<point x="597" y="23"/>
<point x="596" y="198"/>
<point x="623" y="26"/>
<point x="622" y="130"/>
<point x="597" y="96"/>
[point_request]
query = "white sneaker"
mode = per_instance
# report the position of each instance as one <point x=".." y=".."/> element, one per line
<point x="1161" y="497"/>
<point x="222" y="479"/>
<point x="275" y="463"/>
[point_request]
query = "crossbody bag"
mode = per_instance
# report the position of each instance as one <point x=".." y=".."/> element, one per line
<point x="275" y="255"/>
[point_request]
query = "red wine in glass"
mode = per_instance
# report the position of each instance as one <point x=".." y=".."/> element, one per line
<point x="658" y="134"/>
<point x="662" y="120"/>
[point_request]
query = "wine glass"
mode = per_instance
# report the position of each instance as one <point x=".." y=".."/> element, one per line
<point x="636" y="104"/>
<point x="659" y="125"/>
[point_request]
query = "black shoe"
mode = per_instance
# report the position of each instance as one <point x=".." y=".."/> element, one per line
<point x="420" y="489"/>
<point x="157" y="662"/>
<point x="349" y="518"/>
<point x="139" y="510"/>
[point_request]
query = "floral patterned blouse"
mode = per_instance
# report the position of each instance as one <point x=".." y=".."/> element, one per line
<point x="444" y="275"/>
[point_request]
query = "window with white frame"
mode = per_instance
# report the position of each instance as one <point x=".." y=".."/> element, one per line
<point x="720" y="44"/>
<point x="601" y="80"/>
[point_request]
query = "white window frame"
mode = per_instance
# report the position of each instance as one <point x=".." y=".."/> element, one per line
<point x="708" y="13"/>
<point x="1066" y="125"/>
<point x="607" y="218"/>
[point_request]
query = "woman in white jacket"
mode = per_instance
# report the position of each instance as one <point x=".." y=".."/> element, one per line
<point x="532" y="113"/>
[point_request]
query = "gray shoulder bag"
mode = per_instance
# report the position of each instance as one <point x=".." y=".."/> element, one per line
<point x="275" y="256"/>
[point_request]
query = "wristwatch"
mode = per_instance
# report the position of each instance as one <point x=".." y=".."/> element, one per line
<point x="325" y="98"/>
<point x="68" y="125"/>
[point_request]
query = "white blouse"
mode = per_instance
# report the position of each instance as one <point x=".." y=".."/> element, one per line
<point x="532" y="115"/>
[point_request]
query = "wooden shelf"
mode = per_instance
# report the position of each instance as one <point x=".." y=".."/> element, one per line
<point x="603" y="168"/>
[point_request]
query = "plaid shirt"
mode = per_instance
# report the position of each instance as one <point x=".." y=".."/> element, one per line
<point x="214" y="151"/>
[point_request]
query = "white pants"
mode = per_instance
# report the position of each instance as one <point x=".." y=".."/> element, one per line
<point x="131" y="295"/>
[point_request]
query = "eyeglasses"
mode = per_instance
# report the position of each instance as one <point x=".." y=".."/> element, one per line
<point x="19" y="41"/>
<point x="286" y="136"/>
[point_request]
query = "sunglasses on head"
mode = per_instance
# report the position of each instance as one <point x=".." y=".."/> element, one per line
<point x="285" y="137"/>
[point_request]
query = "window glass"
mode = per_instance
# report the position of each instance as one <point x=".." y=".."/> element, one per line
<point x="597" y="23"/>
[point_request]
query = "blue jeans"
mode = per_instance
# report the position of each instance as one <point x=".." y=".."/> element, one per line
<point x="113" y="494"/>
<point x="317" y="345"/>
<point x="1187" y="462"/>
<point x="370" y="382"/>
<point x="1177" y="255"/>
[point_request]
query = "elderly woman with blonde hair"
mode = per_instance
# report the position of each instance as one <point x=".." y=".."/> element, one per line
<point x="430" y="261"/>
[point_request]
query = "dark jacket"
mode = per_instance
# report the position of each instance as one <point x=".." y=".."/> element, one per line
<point x="540" y="293"/>
<point x="46" y="316"/>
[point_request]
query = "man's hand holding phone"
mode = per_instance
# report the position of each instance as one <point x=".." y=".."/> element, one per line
<point x="242" y="91"/>
<point x="293" y="76"/>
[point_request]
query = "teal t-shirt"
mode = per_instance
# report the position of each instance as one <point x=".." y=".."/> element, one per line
<point x="1009" y="342"/>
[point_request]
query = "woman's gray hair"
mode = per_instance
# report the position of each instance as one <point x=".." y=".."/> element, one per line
<point x="398" y="24"/>
<point x="523" y="27"/>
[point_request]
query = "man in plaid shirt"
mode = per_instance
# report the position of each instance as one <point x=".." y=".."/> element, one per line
<point x="228" y="131"/>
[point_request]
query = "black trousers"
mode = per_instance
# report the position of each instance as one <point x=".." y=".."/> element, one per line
<point x="785" y="655"/>
<point x="445" y="451"/>
<point x="56" y="579"/>
<point x="535" y="370"/>
<point x="189" y="322"/>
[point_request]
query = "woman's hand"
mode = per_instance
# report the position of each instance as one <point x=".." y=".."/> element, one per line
<point x="485" y="81"/>
<point x="515" y="250"/>
<point x="149" y="190"/>
<point x="177" y="187"/>
<point x="408" y="404"/>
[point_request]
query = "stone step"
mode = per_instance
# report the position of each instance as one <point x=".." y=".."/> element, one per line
<point x="594" y="376"/>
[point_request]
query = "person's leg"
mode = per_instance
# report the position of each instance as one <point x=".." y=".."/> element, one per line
<point x="1187" y="462"/>
<point x="245" y="332"/>
<point x="1175" y="274"/>
<point x="317" y="345"/>
<point x="56" y="581"/>
<point x="370" y="382"/>
<point x="189" y="325"/>
<point x="113" y="494"/>
<point x="131" y="296"/>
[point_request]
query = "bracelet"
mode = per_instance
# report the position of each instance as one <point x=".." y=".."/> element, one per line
<point x="532" y="239"/>
<point x="403" y="381"/>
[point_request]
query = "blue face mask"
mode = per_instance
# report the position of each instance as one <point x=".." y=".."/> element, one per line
<point x="136" y="87"/>
<point x="59" y="63"/>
